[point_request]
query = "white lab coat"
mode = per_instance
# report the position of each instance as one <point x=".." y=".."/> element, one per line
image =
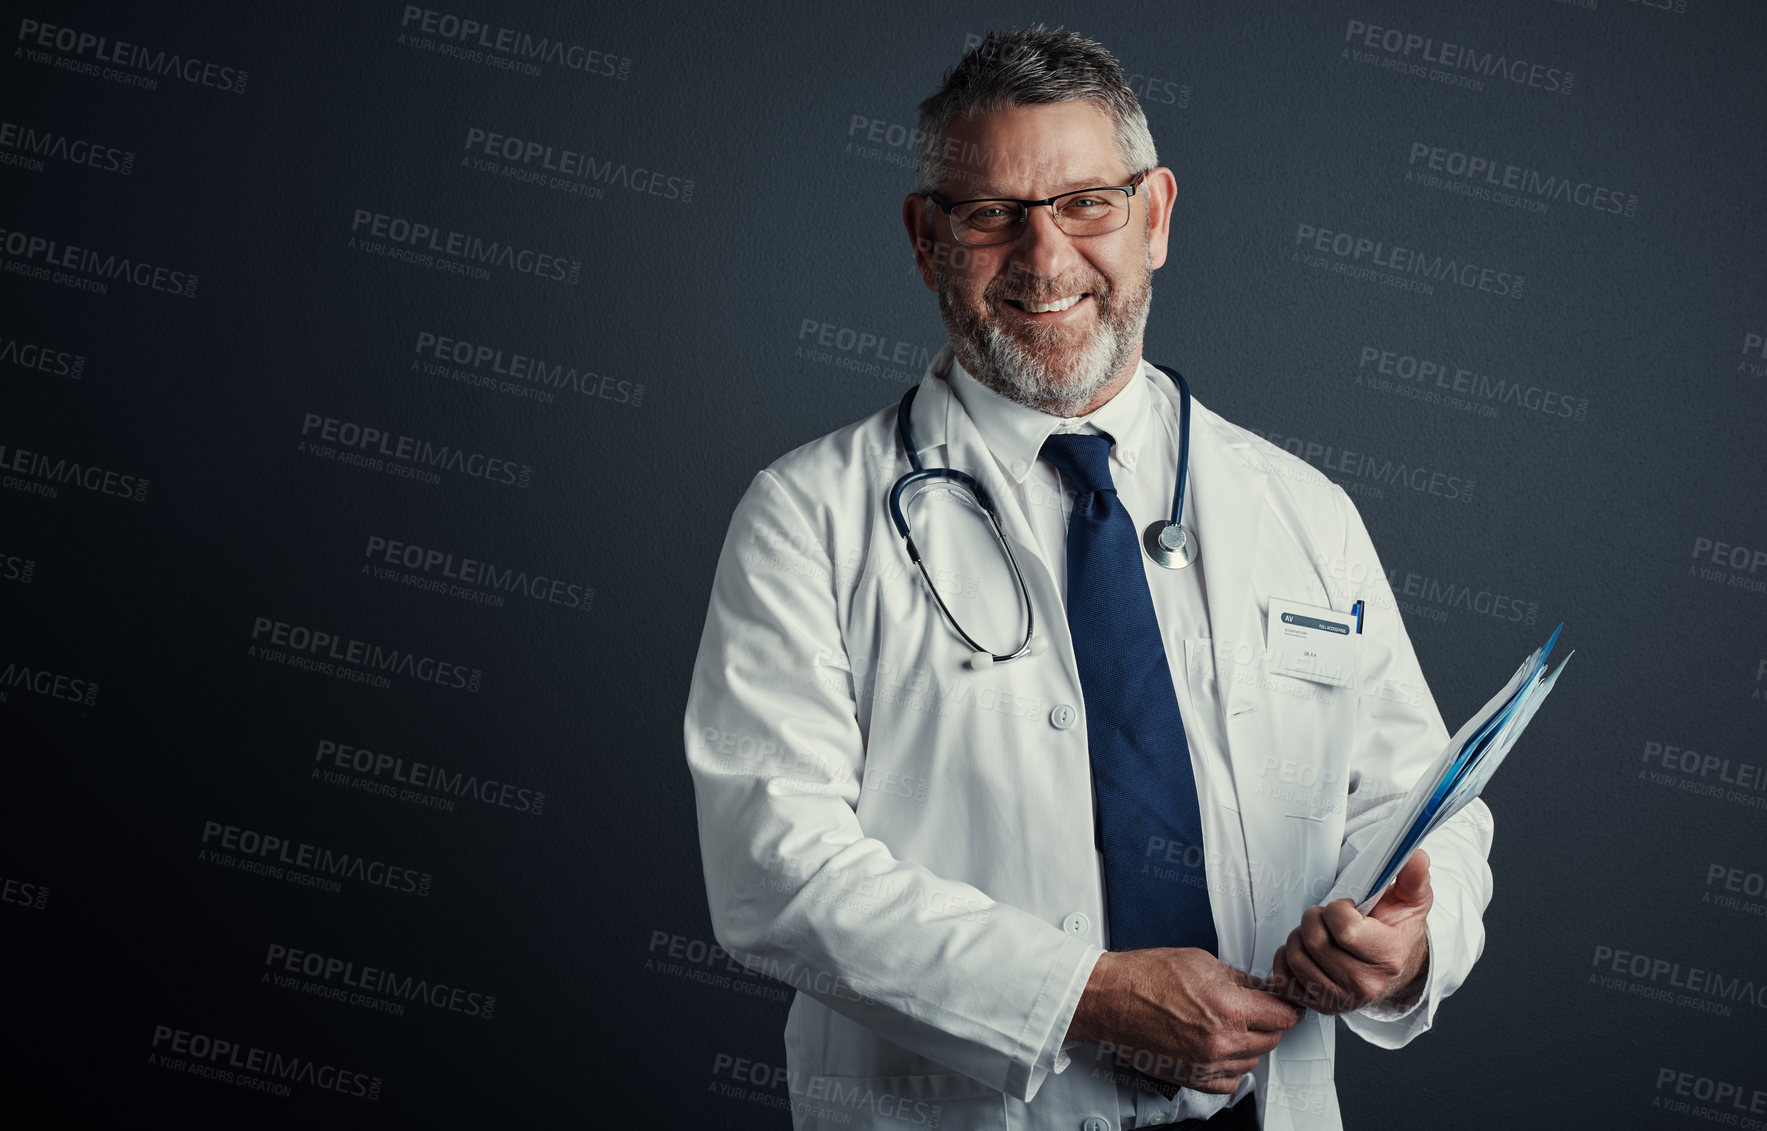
<point x="910" y="842"/>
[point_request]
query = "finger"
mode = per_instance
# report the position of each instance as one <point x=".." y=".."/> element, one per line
<point x="1382" y="947"/>
<point x="1256" y="1044"/>
<point x="1267" y="987"/>
<point x="1343" y="944"/>
<point x="1195" y="1073"/>
<point x="1341" y="970"/>
<point x="1215" y="1085"/>
<point x="1262" y="1011"/>
<point x="1236" y="1068"/>
<point x="1283" y="982"/>
<point x="1226" y="1070"/>
<point x="1280" y="982"/>
<point x="1319" y="989"/>
<point x="1350" y="931"/>
<point x="1315" y="936"/>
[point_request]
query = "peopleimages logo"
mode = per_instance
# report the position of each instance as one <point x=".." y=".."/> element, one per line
<point x="528" y="375"/>
<point x="468" y="579"/>
<point x="1459" y="387"/>
<point x="1689" y="1094"/>
<point x="81" y="268"/>
<point x="426" y="245"/>
<point x="297" y="862"/>
<point x="1455" y="64"/>
<point x="1704" y="775"/>
<point x="22" y="893"/>
<point x="359" y="661"/>
<point x="17" y="677"/>
<point x="371" y="987"/>
<point x="83" y="51"/>
<point x="407" y="457"/>
<point x="1403" y="263"/>
<point x="1708" y="991"/>
<point x="42" y="359"/>
<point x="248" y="1066"/>
<point x="25" y="147"/>
<point x="1502" y="182"/>
<point x="506" y="48"/>
<point x="570" y="170"/>
<point x="37" y="474"/>
<point x="1727" y="563"/>
<point x="1363" y="469"/>
<point x="17" y="567"/>
<point x="421" y="783"/>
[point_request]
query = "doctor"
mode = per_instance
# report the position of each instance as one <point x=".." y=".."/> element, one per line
<point x="1048" y="822"/>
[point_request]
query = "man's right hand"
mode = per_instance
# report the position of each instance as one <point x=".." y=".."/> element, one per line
<point x="1203" y="1021"/>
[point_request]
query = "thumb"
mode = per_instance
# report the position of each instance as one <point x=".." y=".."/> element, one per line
<point x="1410" y="893"/>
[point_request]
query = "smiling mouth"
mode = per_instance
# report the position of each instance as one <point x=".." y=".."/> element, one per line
<point x="1054" y="307"/>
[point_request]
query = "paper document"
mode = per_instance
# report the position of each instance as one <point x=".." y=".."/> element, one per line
<point x="1456" y="777"/>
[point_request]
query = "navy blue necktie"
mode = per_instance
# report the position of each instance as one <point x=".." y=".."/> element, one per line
<point x="1149" y="824"/>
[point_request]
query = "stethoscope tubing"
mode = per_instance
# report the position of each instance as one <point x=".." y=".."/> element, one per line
<point x="920" y="474"/>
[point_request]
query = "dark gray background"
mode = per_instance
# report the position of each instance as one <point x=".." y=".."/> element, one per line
<point x="1593" y="521"/>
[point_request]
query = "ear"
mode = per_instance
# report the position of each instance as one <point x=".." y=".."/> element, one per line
<point x="1161" y="188"/>
<point x="917" y="217"/>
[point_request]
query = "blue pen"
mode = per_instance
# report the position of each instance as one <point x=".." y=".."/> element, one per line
<point x="1356" y="611"/>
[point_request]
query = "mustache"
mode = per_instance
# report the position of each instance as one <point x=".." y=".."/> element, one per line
<point x="1034" y="288"/>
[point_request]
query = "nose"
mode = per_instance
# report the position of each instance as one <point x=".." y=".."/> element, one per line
<point x="1044" y="249"/>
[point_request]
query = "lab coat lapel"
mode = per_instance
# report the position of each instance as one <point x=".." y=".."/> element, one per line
<point x="1228" y="482"/>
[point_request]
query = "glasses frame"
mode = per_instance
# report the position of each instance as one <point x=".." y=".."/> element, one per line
<point x="946" y="206"/>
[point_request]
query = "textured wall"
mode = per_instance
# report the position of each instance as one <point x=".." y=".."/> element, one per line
<point x="374" y="392"/>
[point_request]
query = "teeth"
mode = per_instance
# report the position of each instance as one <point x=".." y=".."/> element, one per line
<point x="1048" y="307"/>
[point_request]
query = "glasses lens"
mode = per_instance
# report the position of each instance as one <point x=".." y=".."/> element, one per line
<point x="966" y="563"/>
<point x="1093" y="212"/>
<point x="983" y="222"/>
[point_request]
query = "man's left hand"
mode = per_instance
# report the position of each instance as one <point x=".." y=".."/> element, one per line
<point x="1337" y="960"/>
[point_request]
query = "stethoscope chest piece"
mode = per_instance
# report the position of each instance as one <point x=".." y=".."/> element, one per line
<point x="1169" y="544"/>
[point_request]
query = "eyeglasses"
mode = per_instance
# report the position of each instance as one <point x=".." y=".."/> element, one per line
<point x="1087" y="212"/>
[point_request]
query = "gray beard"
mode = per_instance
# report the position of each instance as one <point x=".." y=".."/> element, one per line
<point x="1038" y="373"/>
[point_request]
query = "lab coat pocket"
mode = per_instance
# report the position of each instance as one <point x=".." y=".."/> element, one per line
<point x="1313" y="855"/>
<point x="1308" y="1052"/>
<point x="949" y="1100"/>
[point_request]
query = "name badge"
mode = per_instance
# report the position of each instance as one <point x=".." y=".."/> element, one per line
<point x="1309" y="642"/>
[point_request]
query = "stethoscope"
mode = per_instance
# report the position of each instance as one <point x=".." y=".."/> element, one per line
<point x="1167" y="541"/>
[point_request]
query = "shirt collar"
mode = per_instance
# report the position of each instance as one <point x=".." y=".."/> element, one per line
<point x="1014" y="433"/>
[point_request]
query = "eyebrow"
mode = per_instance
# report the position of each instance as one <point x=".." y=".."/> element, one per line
<point x="989" y="191"/>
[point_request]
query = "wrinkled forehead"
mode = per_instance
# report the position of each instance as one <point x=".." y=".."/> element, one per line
<point x="1032" y="152"/>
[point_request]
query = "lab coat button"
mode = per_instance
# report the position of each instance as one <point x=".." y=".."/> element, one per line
<point x="1076" y="923"/>
<point x="1129" y="458"/>
<point x="1063" y="716"/>
<point x="1156" y="1118"/>
<point x="1019" y="467"/>
<point x="1095" y="1123"/>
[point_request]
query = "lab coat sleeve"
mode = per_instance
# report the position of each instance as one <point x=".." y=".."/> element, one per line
<point x="1399" y="733"/>
<point x="795" y="886"/>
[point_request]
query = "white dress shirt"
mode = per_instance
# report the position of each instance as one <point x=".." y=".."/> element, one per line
<point x="1145" y="435"/>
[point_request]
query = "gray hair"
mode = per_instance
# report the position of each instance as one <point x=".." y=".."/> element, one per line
<point x="1029" y="66"/>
